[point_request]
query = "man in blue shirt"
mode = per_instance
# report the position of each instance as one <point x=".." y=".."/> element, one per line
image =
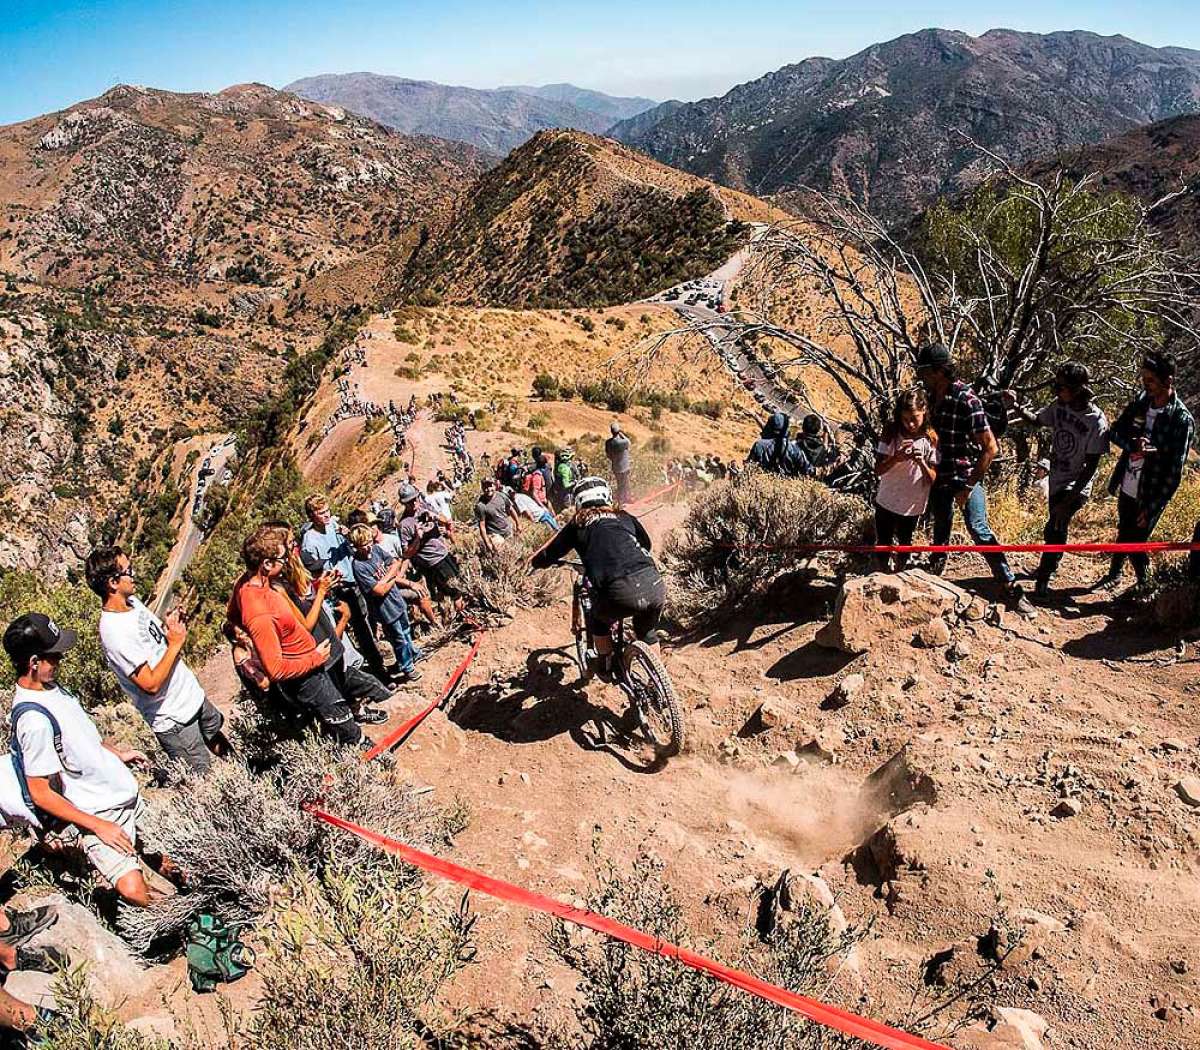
<point x="378" y="575"/>
<point x="324" y="538"/>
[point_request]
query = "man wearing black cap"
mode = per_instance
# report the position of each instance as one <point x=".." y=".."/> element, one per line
<point x="967" y="446"/>
<point x="53" y="739"/>
<point x="423" y="542"/>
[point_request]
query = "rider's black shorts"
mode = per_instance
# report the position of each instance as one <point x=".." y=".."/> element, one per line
<point x="639" y="597"/>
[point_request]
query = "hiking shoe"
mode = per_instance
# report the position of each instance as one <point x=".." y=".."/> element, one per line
<point x="44" y="960"/>
<point x="370" y="716"/>
<point x="1020" y="604"/>
<point x="408" y="677"/>
<point x="24" y="924"/>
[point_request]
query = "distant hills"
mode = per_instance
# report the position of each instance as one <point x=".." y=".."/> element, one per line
<point x="570" y="219"/>
<point x="496" y="120"/>
<point x="880" y="125"/>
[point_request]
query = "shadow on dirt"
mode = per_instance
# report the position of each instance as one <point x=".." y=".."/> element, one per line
<point x="546" y="700"/>
<point x="789" y="603"/>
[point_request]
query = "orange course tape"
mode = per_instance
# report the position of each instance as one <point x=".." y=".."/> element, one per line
<point x="821" y="1013"/>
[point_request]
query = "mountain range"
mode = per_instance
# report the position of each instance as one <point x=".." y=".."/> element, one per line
<point x="887" y="125"/>
<point x="496" y="120"/>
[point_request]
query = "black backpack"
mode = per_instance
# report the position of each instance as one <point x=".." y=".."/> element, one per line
<point x="994" y="408"/>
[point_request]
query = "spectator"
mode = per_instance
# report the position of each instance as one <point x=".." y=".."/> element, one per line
<point x="535" y="485"/>
<point x="308" y="592"/>
<point x="1079" y="435"/>
<point x="361" y="685"/>
<point x="65" y="771"/>
<point x="906" y="462"/>
<point x="146" y="656"/>
<point x="616" y="448"/>
<point x="289" y="655"/>
<point x="377" y="575"/>
<point x="1154" y="434"/>
<point x="423" y="543"/>
<point x="1040" y="485"/>
<point x="563" y="481"/>
<point x="967" y="446"/>
<point x="528" y="507"/>
<point x="326" y="538"/>
<point x="776" y="453"/>
<point x="821" y="453"/>
<point x="495" y="516"/>
<point x="411" y="590"/>
<point x="440" y="498"/>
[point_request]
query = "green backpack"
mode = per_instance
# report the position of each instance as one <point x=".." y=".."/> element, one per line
<point x="215" y="952"/>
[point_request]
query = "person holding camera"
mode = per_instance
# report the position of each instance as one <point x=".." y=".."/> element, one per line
<point x="906" y="462"/>
<point x="423" y="537"/>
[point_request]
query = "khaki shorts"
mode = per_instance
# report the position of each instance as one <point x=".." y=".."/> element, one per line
<point x="112" y="864"/>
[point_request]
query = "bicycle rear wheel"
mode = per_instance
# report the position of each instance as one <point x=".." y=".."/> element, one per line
<point x="657" y="706"/>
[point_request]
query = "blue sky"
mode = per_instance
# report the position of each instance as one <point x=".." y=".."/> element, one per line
<point x="55" y="53"/>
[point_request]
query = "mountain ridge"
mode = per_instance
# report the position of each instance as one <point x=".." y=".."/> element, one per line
<point x="497" y="120"/>
<point x="855" y="125"/>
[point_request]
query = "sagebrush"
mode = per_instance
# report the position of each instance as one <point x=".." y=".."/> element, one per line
<point x="740" y="535"/>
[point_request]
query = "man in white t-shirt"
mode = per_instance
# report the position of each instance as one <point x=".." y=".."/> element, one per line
<point x="70" y="775"/>
<point x="144" y="653"/>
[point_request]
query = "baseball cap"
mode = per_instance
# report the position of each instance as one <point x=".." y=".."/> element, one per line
<point x="935" y="355"/>
<point x="35" y="634"/>
<point x="407" y="493"/>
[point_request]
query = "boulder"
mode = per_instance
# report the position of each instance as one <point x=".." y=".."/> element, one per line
<point x="884" y="605"/>
<point x="1188" y="789"/>
<point x="114" y="971"/>
<point x="845" y="691"/>
<point x="896" y="849"/>
<point x="900" y="783"/>
<point x="932" y="635"/>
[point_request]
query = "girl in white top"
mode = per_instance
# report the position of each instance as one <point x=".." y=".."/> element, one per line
<point x="906" y="461"/>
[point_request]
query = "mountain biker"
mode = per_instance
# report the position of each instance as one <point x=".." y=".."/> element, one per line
<point x="615" y="551"/>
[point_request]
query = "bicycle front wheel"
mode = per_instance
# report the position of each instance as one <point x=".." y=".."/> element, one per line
<point x="657" y="706"/>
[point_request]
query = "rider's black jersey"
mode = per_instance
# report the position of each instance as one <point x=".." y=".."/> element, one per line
<point x="611" y="546"/>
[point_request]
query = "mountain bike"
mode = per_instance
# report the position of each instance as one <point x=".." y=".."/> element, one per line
<point x="637" y="671"/>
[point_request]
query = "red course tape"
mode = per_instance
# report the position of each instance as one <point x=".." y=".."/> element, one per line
<point x="400" y="732"/>
<point x="821" y="1013"/>
<point x="969" y="548"/>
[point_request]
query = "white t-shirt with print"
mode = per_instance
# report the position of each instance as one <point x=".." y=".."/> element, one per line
<point x="14" y="811"/>
<point x="904" y="489"/>
<point x="97" y="780"/>
<point x="131" y="639"/>
<point x="1133" y="468"/>
<point x="440" y="502"/>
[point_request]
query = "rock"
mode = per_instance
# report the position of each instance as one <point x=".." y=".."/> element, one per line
<point x="1039" y="920"/>
<point x="845" y="691"/>
<point x="959" y="651"/>
<point x="31" y="987"/>
<point x="786" y="760"/>
<point x="881" y="605"/>
<point x="1031" y="1028"/>
<point x="895" y="848"/>
<point x="932" y="635"/>
<point x="1188" y="789"/>
<point x="1173" y="745"/>
<point x="768" y="715"/>
<point x="1175" y="607"/>
<point x="114" y="972"/>
<point x="900" y="783"/>
<point x="729" y="749"/>
<point x="1068" y="807"/>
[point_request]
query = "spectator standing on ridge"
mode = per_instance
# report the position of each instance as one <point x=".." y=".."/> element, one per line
<point x="326" y="538"/>
<point x="378" y="577"/>
<point x="289" y="655"/>
<point x="423" y="534"/>
<point x="616" y="448"/>
<point x="1079" y="436"/>
<point x="776" y="453"/>
<point x="967" y="446"/>
<point x="563" y="480"/>
<point x="146" y="656"/>
<point x="1154" y="434"/>
<point x="495" y="516"/>
<point x="906" y="462"/>
<point x="66" y="772"/>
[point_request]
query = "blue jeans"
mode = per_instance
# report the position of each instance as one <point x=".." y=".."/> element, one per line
<point x="399" y="633"/>
<point x="548" y="519"/>
<point x="941" y="507"/>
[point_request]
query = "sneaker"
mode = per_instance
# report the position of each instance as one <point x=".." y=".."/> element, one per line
<point x="1106" y="583"/>
<point x="44" y="960"/>
<point x="408" y="677"/>
<point x="370" y="716"/>
<point x="24" y="924"/>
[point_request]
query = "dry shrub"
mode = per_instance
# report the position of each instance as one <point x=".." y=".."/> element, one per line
<point x="736" y="538"/>
<point x="81" y="1023"/>
<point x="356" y="961"/>
<point x="238" y="837"/>
<point x="629" y="999"/>
<point x="497" y="584"/>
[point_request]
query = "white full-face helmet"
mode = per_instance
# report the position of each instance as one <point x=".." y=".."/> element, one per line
<point x="591" y="492"/>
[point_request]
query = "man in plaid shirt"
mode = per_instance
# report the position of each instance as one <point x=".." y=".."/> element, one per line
<point x="1154" y="434"/>
<point x="967" y="446"/>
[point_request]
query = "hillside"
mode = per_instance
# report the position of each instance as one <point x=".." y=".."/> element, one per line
<point x="881" y="124"/>
<point x="574" y="220"/>
<point x="250" y="186"/>
<point x="497" y="120"/>
<point x="1149" y="163"/>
